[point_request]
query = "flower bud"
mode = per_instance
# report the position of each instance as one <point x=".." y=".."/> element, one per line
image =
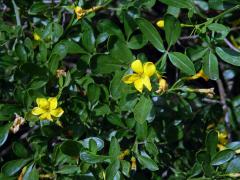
<point x="163" y="86"/>
<point x="160" y="23"/>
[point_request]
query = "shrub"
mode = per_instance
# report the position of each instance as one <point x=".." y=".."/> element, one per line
<point x="119" y="89"/>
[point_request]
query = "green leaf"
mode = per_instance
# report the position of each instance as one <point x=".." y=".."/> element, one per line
<point x="196" y="53"/>
<point x="116" y="120"/>
<point x="117" y="86"/>
<point x="100" y="143"/>
<point x="105" y="64"/>
<point x="234" y="166"/>
<point x="210" y="66"/>
<point x="129" y="24"/>
<point x="137" y="41"/>
<point x="12" y="167"/>
<point x="182" y="62"/>
<point x="73" y="47"/>
<point x="229" y="56"/>
<point x="112" y="170"/>
<point x="141" y="130"/>
<point x="4" y="133"/>
<point x="21" y="52"/>
<point x="88" y="40"/>
<point x="42" y="55"/>
<point x="147" y="162"/>
<point x="114" y="149"/>
<point x="91" y="158"/>
<point x="19" y="150"/>
<point x="93" y="93"/>
<point x="107" y="26"/>
<point x="179" y="3"/>
<point x="172" y="29"/>
<point x="152" y="148"/>
<point x="93" y="146"/>
<point x="150" y="32"/>
<point x="54" y="63"/>
<point x="2" y="176"/>
<point x="125" y="167"/>
<point x="142" y="109"/>
<point x="37" y="84"/>
<point x="71" y="148"/>
<point x="222" y="157"/>
<point x="38" y="7"/>
<point x="31" y="173"/>
<point x="203" y="157"/>
<point x="69" y="169"/>
<point x="211" y="142"/>
<point x="118" y="50"/>
<point x="219" y="28"/>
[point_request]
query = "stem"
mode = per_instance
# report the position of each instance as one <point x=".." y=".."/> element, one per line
<point x="220" y="15"/>
<point x="17" y="14"/>
<point x="187" y="25"/>
<point x="225" y="12"/>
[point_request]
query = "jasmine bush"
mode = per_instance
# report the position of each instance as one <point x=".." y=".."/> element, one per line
<point x="124" y="89"/>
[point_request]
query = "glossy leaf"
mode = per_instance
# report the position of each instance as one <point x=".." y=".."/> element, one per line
<point x="150" y="32"/>
<point x="182" y="62"/>
<point x="210" y="66"/>
<point x="229" y="56"/>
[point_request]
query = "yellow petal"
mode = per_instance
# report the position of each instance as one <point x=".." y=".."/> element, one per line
<point x="160" y="23"/>
<point x="52" y="102"/>
<point x="36" y="37"/>
<point x="46" y="116"/>
<point x="149" y="69"/>
<point x="37" y="111"/>
<point x="57" y="112"/>
<point x="139" y="85"/>
<point x="42" y="103"/>
<point x="128" y="79"/>
<point x="137" y="66"/>
<point x="147" y="83"/>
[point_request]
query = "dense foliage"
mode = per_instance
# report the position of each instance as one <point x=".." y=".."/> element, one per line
<point x="119" y="89"/>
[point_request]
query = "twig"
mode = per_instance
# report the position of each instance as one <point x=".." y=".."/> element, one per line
<point x="230" y="45"/>
<point x="224" y="106"/>
<point x="17" y="14"/>
<point x="189" y="37"/>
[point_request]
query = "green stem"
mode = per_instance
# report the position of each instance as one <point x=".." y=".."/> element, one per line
<point x="226" y="12"/>
<point x="220" y="15"/>
<point x="17" y="14"/>
<point x="187" y="25"/>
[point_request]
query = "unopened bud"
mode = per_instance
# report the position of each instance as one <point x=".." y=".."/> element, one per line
<point x="134" y="164"/>
<point x="18" y="121"/>
<point x="162" y="86"/>
<point x="160" y="23"/>
<point x="60" y="73"/>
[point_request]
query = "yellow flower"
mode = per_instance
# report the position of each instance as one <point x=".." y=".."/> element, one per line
<point x="200" y="74"/>
<point x="47" y="108"/>
<point x="36" y="37"/>
<point x="160" y="23"/>
<point x="142" y="75"/>
<point x="223" y="138"/>
<point x="79" y="12"/>
<point x="221" y="147"/>
<point x="163" y="85"/>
